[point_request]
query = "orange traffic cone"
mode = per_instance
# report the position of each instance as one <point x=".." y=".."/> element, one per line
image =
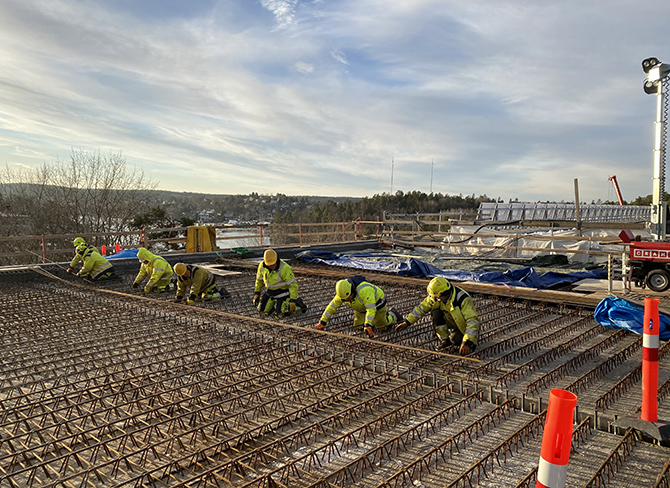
<point x="556" y="440"/>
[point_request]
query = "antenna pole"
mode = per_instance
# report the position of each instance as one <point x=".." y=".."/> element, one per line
<point x="432" y="162"/>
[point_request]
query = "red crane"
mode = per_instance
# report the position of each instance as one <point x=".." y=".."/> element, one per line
<point x="616" y="188"/>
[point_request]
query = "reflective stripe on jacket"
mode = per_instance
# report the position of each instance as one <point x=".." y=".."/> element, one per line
<point x="94" y="264"/>
<point x="368" y="299"/>
<point x="156" y="267"/>
<point x="460" y="306"/>
<point x="276" y="280"/>
<point x="199" y="280"/>
<point x="78" y="259"/>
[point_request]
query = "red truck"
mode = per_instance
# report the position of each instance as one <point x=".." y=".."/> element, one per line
<point x="648" y="262"/>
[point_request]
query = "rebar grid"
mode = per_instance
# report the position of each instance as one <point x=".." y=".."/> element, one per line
<point x="579" y="436"/>
<point x="312" y="462"/>
<point x="603" y="368"/>
<point x="328" y="426"/>
<point x="608" y="398"/>
<point x="515" y="355"/>
<point x="436" y="455"/>
<point x="575" y="363"/>
<point x="663" y="478"/>
<point x="612" y="464"/>
<point x="110" y="388"/>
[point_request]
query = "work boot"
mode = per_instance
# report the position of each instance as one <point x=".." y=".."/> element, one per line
<point x="396" y="314"/>
<point x="369" y="332"/>
<point x="443" y="345"/>
<point x="301" y="304"/>
<point x="210" y="297"/>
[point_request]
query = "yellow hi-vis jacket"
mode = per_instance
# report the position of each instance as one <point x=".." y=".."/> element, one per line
<point x="368" y="299"/>
<point x="278" y="281"/>
<point x="460" y="306"/>
<point x="94" y="264"/>
<point x="199" y="281"/>
<point x="78" y="259"/>
<point x="156" y="267"/>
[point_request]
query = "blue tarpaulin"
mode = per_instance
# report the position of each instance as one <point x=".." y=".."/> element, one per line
<point x="126" y="253"/>
<point x="617" y="313"/>
<point x="526" y="277"/>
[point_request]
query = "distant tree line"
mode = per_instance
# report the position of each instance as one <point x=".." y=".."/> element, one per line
<point x="369" y="208"/>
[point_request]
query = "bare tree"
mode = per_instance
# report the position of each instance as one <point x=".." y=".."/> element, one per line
<point x="89" y="193"/>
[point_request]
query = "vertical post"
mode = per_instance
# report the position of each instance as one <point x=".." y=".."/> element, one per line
<point x="117" y="248"/>
<point x="360" y="232"/>
<point x="556" y="440"/>
<point x="103" y="250"/>
<point x="609" y="274"/>
<point x="658" y="208"/>
<point x="44" y="249"/>
<point x="260" y="233"/>
<point x="377" y="230"/>
<point x="650" y="343"/>
<point x="143" y="238"/>
<point x="300" y="231"/>
<point x="343" y="235"/>
<point x="577" y="216"/>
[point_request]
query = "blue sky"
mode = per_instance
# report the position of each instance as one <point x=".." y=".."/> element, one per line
<point x="513" y="99"/>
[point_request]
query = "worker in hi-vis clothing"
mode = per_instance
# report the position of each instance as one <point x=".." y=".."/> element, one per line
<point x="281" y="288"/>
<point x="157" y="269"/>
<point x="77" y="259"/>
<point x="454" y="317"/>
<point x="95" y="267"/>
<point x="367" y="301"/>
<point x="199" y="282"/>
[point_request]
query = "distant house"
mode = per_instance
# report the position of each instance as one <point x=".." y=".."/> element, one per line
<point x="206" y="216"/>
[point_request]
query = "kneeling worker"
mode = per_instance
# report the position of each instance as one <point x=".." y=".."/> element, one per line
<point x="199" y="280"/>
<point x="77" y="259"/>
<point x="157" y="269"/>
<point x="454" y="317"/>
<point x="367" y="301"/>
<point x="281" y="294"/>
<point x="95" y="267"/>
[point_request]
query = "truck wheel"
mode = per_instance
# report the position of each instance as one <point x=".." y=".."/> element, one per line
<point x="658" y="280"/>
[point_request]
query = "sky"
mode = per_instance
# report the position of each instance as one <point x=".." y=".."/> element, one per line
<point x="508" y="98"/>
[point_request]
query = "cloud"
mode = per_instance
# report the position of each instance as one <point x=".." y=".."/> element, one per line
<point x="283" y="10"/>
<point x="339" y="56"/>
<point x="508" y="98"/>
<point x="304" y="67"/>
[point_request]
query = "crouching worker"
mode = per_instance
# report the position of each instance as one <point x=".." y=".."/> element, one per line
<point x="95" y="267"/>
<point x="367" y="301"/>
<point x="77" y="259"/>
<point x="157" y="269"/>
<point x="198" y="281"/>
<point x="281" y="288"/>
<point x="454" y="317"/>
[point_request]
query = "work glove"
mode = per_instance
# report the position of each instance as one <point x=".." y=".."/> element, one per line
<point x="190" y="302"/>
<point x="136" y="284"/>
<point x="320" y="326"/>
<point x="70" y="270"/>
<point x="401" y="326"/>
<point x="291" y="307"/>
<point x="257" y="298"/>
<point x="467" y="347"/>
<point x="368" y="330"/>
<point x="148" y="288"/>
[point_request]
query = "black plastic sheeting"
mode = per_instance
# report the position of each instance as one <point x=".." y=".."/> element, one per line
<point x="526" y="277"/>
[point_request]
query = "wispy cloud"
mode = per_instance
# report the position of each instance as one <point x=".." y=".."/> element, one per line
<point x="283" y="10"/>
<point x="508" y="98"/>
<point x="339" y="56"/>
